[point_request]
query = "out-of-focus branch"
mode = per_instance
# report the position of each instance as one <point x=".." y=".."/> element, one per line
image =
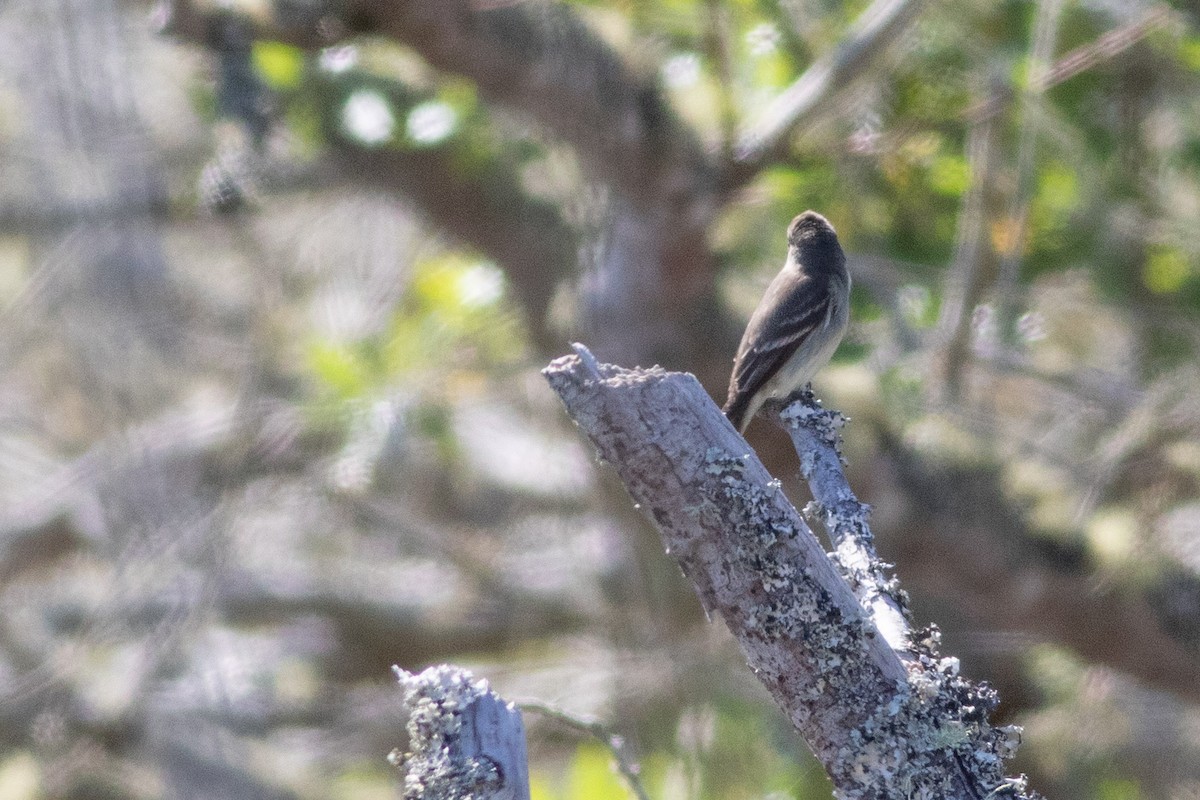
<point x="490" y="212"/>
<point x="614" y="743"/>
<point x="546" y="64"/>
<point x="46" y="219"/>
<point x="1008" y="290"/>
<point x="485" y="207"/>
<point x="966" y="277"/>
<point x="1081" y="59"/>
<point x="1003" y="579"/>
<point x="875" y="717"/>
<point x="316" y="24"/>
<point x="883" y="22"/>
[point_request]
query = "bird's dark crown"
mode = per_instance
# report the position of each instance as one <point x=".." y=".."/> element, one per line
<point x="810" y="228"/>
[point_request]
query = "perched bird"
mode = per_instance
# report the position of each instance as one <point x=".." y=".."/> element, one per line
<point x="798" y="324"/>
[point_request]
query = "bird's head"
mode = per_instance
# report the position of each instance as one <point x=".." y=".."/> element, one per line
<point x="809" y="229"/>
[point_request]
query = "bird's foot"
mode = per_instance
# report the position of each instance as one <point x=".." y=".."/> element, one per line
<point x="805" y="394"/>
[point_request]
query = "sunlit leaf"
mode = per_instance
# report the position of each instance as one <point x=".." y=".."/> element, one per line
<point x="364" y="783"/>
<point x="1058" y="187"/>
<point x="281" y="65"/>
<point x="1166" y="271"/>
<point x="950" y="175"/>
<point x="540" y="787"/>
<point x="1189" y="52"/>
<point x="1118" y="789"/>
<point x="593" y="777"/>
<point x="338" y="368"/>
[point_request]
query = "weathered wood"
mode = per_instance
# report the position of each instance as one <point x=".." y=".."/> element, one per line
<point x="887" y="720"/>
<point x="464" y="740"/>
<point x="815" y="435"/>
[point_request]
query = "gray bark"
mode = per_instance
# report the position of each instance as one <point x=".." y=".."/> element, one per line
<point x="887" y="719"/>
<point x="464" y="740"/>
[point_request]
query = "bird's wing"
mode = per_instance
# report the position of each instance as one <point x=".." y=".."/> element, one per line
<point x="793" y="313"/>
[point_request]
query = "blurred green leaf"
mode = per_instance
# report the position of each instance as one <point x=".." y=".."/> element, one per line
<point x="339" y="368"/>
<point x="1189" y="52"/>
<point x="281" y="65"/>
<point x="1118" y="789"/>
<point x="1058" y="187"/>
<point x="364" y="782"/>
<point x="541" y="787"/>
<point x="1166" y="270"/>
<point x="592" y="776"/>
<point x="950" y="175"/>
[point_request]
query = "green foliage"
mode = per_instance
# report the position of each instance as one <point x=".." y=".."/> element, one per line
<point x="592" y="776"/>
<point x="345" y="371"/>
<point x="452" y="327"/>
<point x="1117" y="789"/>
<point x="1107" y="196"/>
<point x="950" y="175"/>
<point x="364" y="782"/>
<point x="1166" y="270"/>
<point x="748" y="754"/>
<point x="280" y="65"/>
<point x="729" y="751"/>
<point x="902" y="196"/>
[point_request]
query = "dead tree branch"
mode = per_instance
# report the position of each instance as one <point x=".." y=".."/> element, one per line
<point x="814" y="433"/>
<point x="464" y="740"/>
<point x="885" y="722"/>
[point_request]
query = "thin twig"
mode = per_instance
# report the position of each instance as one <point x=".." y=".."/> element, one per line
<point x="961" y="290"/>
<point x="1082" y="58"/>
<point x="881" y="24"/>
<point x="717" y="43"/>
<point x="1007" y="280"/>
<point x="596" y="729"/>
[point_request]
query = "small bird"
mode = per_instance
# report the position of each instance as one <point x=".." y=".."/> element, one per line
<point x="798" y="324"/>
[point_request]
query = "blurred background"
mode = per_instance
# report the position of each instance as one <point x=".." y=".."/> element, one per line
<point x="278" y="277"/>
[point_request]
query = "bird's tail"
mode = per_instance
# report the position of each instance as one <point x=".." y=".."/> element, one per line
<point x="735" y="409"/>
